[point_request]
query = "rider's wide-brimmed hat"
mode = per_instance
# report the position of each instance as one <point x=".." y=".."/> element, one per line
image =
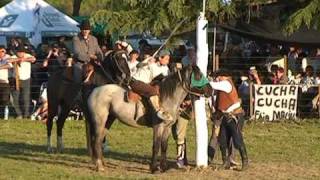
<point x="221" y="72"/>
<point x="85" y="25"/>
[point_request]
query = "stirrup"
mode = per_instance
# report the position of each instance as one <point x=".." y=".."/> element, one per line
<point x="165" y="116"/>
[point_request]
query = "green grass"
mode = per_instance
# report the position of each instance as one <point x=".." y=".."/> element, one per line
<point x="283" y="150"/>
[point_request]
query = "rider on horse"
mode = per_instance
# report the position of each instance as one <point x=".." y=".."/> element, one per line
<point x="147" y="71"/>
<point x="85" y="49"/>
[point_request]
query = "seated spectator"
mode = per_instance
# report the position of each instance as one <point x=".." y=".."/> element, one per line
<point x="308" y="79"/>
<point x="272" y="76"/>
<point x="317" y="79"/>
<point x="41" y="112"/>
<point x="253" y="76"/>
<point x="281" y="77"/>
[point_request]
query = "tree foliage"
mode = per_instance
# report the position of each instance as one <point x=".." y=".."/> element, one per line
<point x="308" y="15"/>
<point x="160" y="16"/>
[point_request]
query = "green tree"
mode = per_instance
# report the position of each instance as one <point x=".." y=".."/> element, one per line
<point x="158" y="16"/>
<point x="308" y="15"/>
<point x="4" y="2"/>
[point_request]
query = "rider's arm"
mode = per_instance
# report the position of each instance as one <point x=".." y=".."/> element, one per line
<point x="98" y="52"/>
<point x="221" y="86"/>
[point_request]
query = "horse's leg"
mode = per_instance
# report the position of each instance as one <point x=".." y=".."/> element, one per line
<point x="52" y="111"/>
<point x="164" y="145"/>
<point x="88" y="124"/>
<point x="157" y="136"/>
<point x="100" y="116"/>
<point x="64" y="111"/>
<point x="98" y="147"/>
<point x="110" y="121"/>
<point x="49" y="129"/>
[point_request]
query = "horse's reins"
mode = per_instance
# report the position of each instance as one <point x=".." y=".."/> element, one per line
<point x="108" y="75"/>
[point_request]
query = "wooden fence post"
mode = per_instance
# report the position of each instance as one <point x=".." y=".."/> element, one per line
<point x="217" y="62"/>
<point x="285" y="65"/>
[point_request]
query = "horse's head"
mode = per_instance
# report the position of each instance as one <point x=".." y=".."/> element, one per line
<point x="116" y="65"/>
<point x="182" y="78"/>
<point x="186" y="74"/>
<point x="194" y="82"/>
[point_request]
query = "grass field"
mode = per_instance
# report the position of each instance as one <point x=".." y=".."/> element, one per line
<point x="284" y="150"/>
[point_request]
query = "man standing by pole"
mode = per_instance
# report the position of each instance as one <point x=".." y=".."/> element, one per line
<point x="200" y="112"/>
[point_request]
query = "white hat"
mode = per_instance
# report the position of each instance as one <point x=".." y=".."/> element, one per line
<point x="118" y="42"/>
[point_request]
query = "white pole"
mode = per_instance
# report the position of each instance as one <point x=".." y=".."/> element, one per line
<point x="200" y="110"/>
<point x="214" y="48"/>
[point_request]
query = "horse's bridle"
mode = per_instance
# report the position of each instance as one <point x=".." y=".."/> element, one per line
<point x="123" y="74"/>
<point x="187" y="89"/>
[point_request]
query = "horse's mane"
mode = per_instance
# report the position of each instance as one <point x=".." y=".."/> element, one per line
<point x="169" y="85"/>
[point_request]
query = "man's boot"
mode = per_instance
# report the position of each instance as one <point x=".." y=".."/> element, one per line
<point x="244" y="158"/>
<point x="211" y="152"/>
<point x="181" y="155"/>
<point x="225" y="159"/>
<point x="155" y="102"/>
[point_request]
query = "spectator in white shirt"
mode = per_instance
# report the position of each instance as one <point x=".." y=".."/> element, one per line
<point x="4" y="81"/>
<point x="134" y="55"/>
<point x="22" y="75"/>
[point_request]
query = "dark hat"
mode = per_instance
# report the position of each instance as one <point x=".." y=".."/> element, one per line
<point x="55" y="45"/>
<point x="21" y="49"/>
<point x="134" y="52"/>
<point x="85" y="25"/>
<point x="221" y="72"/>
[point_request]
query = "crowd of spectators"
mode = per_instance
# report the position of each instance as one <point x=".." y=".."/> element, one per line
<point x="266" y="64"/>
<point x="252" y="63"/>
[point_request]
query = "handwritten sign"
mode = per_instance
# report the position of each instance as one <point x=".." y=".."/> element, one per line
<point x="275" y="102"/>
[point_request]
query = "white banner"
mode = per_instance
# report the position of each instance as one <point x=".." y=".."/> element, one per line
<point x="275" y="102"/>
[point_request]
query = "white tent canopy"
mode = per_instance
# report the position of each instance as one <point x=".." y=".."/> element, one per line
<point x="34" y="19"/>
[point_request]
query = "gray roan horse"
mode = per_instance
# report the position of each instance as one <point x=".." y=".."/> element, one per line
<point x="63" y="92"/>
<point x="110" y="100"/>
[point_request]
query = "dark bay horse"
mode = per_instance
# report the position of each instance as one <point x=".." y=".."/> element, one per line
<point x="64" y="93"/>
<point x="110" y="100"/>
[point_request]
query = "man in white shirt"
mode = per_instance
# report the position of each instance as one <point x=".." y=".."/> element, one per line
<point x="133" y="62"/>
<point x="229" y="122"/>
<point x="22" y="74"/>
<point x="148" y="71"/>
<point x="4" y="81"/>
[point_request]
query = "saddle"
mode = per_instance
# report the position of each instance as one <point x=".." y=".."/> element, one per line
<point x="132" y="96"/>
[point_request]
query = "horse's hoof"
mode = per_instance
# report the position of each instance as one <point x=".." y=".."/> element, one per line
<point x="60" y="149"/>
<point x="154" y="169"/>
<point x="163" y="167"/>
<point x="49" y="150"/>
<point x="100" y="169"/>
<point x="99" y="165"/>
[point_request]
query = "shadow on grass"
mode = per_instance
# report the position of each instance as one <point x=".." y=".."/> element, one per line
<point x="72" y="157"/>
